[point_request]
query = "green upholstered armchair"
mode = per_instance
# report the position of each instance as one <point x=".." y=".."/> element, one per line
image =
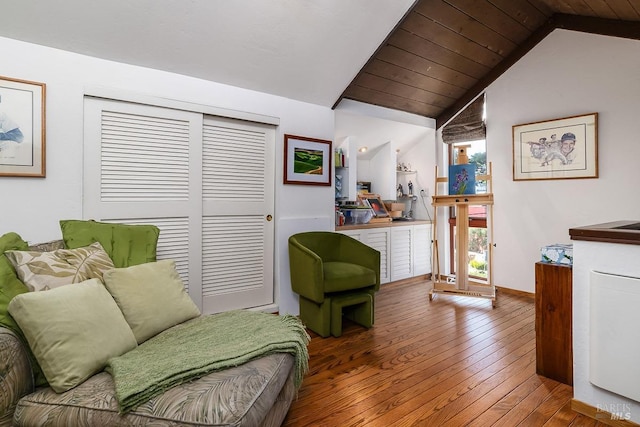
<point x="328" y="266"/>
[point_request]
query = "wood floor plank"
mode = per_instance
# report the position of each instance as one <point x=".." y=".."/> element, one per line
<point x="550" y="406"/>
<point x="504" y="405"/>
<point x="453" y="361"/>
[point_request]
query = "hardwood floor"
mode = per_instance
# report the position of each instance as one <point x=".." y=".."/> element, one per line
<point x="454" y="361"/>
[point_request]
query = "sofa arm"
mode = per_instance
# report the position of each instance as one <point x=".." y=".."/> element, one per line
<point x="306" y="272"/>
<point x="16" y="377"/>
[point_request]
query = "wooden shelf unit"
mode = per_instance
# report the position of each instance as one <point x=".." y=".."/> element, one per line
<point x="460" y="283"/>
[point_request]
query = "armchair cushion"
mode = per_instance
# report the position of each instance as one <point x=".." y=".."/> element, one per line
<point x="345" y="276"/>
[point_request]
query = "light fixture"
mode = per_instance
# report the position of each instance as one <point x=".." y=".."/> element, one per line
<point x="362" y="149"/>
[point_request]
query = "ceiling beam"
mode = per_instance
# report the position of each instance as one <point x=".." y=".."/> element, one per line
<point x="496" y="72"/>
<point x="602" y="26"/>
<point x="587" y="24"/>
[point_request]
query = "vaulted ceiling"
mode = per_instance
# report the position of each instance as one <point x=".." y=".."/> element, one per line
<point x="426" y="57"/>
<point x="445" y="52"/>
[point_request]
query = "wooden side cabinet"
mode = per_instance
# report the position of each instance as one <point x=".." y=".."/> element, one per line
<point x="554" y="349"/>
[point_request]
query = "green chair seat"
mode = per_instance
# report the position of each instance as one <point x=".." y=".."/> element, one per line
<point x="345" y="276"/>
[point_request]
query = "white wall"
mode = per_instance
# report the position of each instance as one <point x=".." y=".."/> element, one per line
<point x="422" y="158"/>
<point x="32" y="207"/>
<point x="380" y="128"/>
<point x="568" y="73"/>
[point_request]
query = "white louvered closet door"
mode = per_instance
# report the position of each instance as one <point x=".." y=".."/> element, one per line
<point x="153" y="165"/>
<point x="237" y="225"/>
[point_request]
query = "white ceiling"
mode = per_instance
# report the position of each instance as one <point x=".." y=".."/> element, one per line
<point x="307" y="50"/>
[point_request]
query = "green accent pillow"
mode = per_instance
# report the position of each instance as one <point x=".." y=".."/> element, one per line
<point x="126" y="245"/>
<point x="72" y="330"/>
<point x="41" y="271"/>
<point x="10" y="285"/>
<point x="151" y="296"/>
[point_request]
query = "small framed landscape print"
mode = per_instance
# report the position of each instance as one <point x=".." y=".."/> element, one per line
<point x="307" y="161"/>
<point x="563" y="148"/>
<point x="22" y="128"/>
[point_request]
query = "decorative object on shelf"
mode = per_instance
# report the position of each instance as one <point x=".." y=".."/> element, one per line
<point x="307" y="161"/>
<point x="338" y="186"/>
<point x="340" y="219"/>
<point x="22" y="128"/>
<point x="402" y="167"/>
<point x="363" y="187"/>
<point x="558" y="253"/>
<point x="339" y="158"/>
<point x="395" y="209"/>
<point x="374" y="201"/>
<point x="410" y="187"/>
<point x="556" y="149"/>
<point x="462" y="177"/>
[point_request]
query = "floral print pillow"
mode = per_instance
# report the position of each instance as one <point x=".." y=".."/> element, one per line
<point x="41" y="271"/>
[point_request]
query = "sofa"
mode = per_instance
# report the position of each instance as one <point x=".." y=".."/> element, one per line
<point x="252" y="388"/>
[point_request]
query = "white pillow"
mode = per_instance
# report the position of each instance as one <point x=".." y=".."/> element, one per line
<point x="72" y="330"/>
<point x="151" y="296"/>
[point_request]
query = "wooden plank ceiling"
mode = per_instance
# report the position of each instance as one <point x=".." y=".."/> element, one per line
<point x="445" y="52"/>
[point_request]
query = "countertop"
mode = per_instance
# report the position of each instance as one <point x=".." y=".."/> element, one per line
<point x="624" y="232"/>
<point x="383" y="224"/>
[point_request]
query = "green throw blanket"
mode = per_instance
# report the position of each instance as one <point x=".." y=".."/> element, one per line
<point x="203" y="345"/>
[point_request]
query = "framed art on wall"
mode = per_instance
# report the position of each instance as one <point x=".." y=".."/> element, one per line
<point x="307" y="161"/>
<point x="22" y="128"/>
<point x="565" y="148"/>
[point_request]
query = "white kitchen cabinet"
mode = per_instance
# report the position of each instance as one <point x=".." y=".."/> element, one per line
<point x="401" y="252"/>
<point x="379" y="239"/>
<point x="405" y="250"/>
<point x="421" y="249"/>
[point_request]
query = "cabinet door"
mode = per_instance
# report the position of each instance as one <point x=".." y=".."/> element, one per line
<point x="421" y="249"/>
<point x="379" y="239"/>
<point x="356" y="234"/>
<point x="401" y="252"/>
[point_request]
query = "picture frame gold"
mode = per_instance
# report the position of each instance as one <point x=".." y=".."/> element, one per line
<point x="564" y="148"/>
<point x="22" y="128"/>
